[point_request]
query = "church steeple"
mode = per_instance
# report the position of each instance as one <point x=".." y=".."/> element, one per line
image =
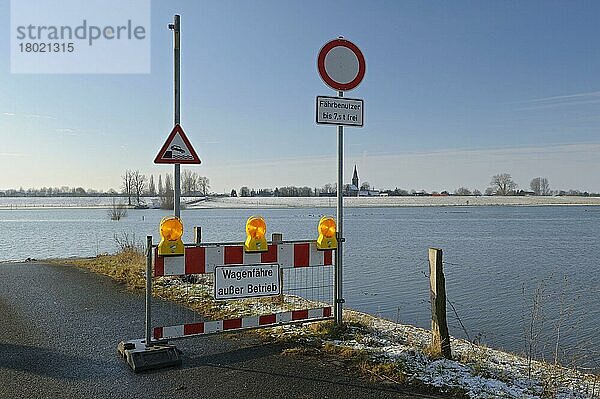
<point x="355" y="178"/>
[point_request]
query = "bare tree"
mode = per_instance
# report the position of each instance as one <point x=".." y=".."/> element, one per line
<point x="128" y="184"/>
<point x="139" y="184"/>
<point x="328" y="189"/>
<point x="462" y="191"/>
<point x="244" y="192"/>
<point x="161" y="189"/>
<point x="545" y="187"/>
<point x="204" y="185"/>
<point x="540" y="186"/>
<point x="151" y="186"/>
<point x="116" y="210"/>
<point x="168" y="195"/>
<point x="127" y="243"/>
<point x="503" y="184"/>
<point x="189" y="181"/>
<point x="365" y="186"/>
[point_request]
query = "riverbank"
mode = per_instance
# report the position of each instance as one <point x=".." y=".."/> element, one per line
<point x="381" y="349"/>
<point x="308" y="202"/>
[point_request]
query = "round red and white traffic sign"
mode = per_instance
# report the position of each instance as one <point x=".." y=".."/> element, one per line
<point x="341" y="64"/>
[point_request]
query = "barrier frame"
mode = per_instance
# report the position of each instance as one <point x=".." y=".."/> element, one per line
<point x="294" y="254"/>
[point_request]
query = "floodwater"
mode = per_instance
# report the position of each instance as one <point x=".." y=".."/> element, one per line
<point x="499" y="261"/>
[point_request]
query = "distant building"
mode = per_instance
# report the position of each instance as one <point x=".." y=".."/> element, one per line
<point x="353" y="190"/>
<point x="368" y="193"/>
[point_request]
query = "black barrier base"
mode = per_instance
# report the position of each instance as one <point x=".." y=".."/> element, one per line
<point x="141" y="357"/>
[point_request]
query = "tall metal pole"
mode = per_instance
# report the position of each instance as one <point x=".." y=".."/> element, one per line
<point x="148" y="290"/>
<point x="177" y="86"/>
<point x="338" y="296"/>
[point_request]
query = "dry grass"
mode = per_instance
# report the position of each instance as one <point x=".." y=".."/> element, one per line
<point x="362" y="361"/>
<point x="127" y="267"/>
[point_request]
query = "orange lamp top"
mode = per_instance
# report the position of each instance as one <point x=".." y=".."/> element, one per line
<point x="256" y="227"/>
<point x="327" y="227"/>
<point x="171" y="228"/>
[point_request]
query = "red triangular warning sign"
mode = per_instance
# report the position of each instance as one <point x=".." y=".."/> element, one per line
<point x="177" y="149"/>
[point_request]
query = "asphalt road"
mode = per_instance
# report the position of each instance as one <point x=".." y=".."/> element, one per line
<point x="60" y="326"/>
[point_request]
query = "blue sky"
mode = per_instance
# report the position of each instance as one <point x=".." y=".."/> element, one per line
<point x="454" y="93"/>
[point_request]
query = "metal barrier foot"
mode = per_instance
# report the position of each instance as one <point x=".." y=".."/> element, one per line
<point x="156" y="356"/>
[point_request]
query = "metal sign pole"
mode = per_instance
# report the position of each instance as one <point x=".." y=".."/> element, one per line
<point x="334" y="66"/>
<point x="177" y="86"/>
<point x="338" y="297"/>
<point x="148" y="290"/>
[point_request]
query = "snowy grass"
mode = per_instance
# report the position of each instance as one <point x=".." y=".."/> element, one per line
<point x="400" y="352"/>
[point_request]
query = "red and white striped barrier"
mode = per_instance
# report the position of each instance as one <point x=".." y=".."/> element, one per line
<point x="240" y="323"/>
<point x="203" y="258"/>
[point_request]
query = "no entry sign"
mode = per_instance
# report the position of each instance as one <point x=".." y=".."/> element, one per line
<point x="341" y="64"/>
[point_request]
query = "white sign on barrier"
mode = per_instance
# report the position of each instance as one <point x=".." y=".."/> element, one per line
<point x="246" y="281"/>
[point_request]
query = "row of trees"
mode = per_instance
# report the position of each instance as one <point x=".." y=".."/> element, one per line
<point x="63" y="191"/>
<point x="293" y="191"/>
<point x="501" y="184"/>
<point x="136" y="185"/>
<point x="288" y="191"/>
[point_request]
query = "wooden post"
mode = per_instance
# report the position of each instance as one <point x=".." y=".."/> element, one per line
<point x="197" y="235"/>
<point x="197" y="240"/>
<point x="440" y="338"/>
<point x="277" y="238"/>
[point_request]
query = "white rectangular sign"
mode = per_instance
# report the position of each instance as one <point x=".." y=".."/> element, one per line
<point x="247" y="281"/>
<point x="340" y="111"/>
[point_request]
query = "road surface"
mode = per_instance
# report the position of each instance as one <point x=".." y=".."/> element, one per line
<point x="60" y="326"/>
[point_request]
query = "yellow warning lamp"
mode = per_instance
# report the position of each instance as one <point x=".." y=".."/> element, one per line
<point x="171" y="230"/>
<point x="256" y="228"/>
<point x="327" y="230"/>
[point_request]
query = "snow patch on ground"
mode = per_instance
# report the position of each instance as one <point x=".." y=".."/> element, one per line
<point x="479" y="371"/>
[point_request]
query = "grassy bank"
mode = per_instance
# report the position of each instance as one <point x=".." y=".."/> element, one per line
<point x="379" y="349"/>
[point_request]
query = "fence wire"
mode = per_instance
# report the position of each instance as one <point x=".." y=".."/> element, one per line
<point x="191" y="297"/>
<point x="313" y="284"/>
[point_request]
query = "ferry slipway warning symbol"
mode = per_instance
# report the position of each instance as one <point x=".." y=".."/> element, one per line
<point x="177" y="149"/>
